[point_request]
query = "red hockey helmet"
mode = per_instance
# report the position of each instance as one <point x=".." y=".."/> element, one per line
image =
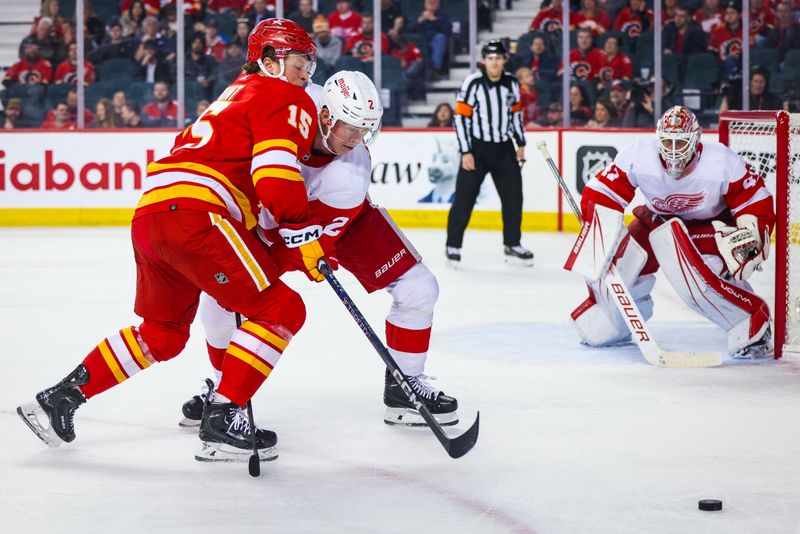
<point x="281" y="34"/>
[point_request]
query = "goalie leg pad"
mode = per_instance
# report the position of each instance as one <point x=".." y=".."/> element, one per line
<point x="732" y="306"/>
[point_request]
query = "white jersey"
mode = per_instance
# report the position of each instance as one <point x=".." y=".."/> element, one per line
<point x="717" y="181"/>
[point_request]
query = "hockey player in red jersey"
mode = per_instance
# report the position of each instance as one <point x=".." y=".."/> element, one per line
<point x="192" y="233"/>
<point x="705" y="223"/>
<point x="367" y="243"/>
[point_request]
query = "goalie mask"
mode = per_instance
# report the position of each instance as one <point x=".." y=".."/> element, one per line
<point x="284" y="36"/>
<point x="678" y="136"/>
<point x="351" y="98"/>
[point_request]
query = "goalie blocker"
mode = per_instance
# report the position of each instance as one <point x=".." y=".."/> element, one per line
<point x="693" y="259"/>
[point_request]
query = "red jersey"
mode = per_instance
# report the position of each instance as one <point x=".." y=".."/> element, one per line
<point x="408" y="55"/>
<point x="241" y="153"/>
<point x="528" y="100"/>
<point x="725" y="42"/>
<point x="218" y="5"/>
<point x="598" y="23"/>
<point x="170" y="112"/>
<point x="24" y="72"/>
<point x="50" y="124"/>
<point x="362" y="46"/>
<point x="344" y="25"/>
<point x="152" y="7"/>
<point x="619" y="68"/>
<point x="586" y="67"/>
<point x="763" y="19"/>
<point x="67" y="72"/>
<point x="709" y="21"/>
<point x="548" y="20"/>
<point x="631" y="23"/>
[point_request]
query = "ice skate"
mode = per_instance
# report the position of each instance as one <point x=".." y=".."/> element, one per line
<point x="226" y="435"/>
<point x="50" y="416"/>
<point x="193" y="408"/>
<point x="400" y="411"/>
<point x="518" y="255"/>
<point x="453" y="257"/>
<point x="758" y="350"/>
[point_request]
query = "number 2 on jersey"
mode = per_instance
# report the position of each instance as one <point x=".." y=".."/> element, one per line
<point x="305" y="121"/>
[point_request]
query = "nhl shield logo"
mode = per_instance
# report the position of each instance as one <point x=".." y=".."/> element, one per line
<point x="221" y="278"/>
<point x="590" y="160"/>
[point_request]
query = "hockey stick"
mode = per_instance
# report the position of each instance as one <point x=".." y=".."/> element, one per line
<point x="254" y="466"/>
<point x="626" y="305"/>
<point x="455" y="447"/>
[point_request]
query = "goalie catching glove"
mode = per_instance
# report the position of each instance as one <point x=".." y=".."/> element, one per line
<point x="304" y="248"/>
<point x="743" y="247"/>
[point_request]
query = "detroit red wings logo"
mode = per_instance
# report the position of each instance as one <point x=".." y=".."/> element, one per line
<point x="680" y="203"/>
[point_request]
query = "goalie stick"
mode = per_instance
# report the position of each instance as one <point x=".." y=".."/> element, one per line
<point x="626" y="305"/>
<point x="456" y="447"/>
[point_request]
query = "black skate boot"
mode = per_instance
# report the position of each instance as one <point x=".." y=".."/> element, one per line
<point x="400" y="411"/>
<point x="226" y="435"/>
<point x="758" y="350"/>
<point x="453" y="255"/>
<point x="518" y="255"/>
<point x="193" y="408"/>
<point x="50" y="415"/>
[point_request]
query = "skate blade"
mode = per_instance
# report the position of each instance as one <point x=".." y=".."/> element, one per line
<point x="221" y="452"/>
<point x="519" y="262"/>
<point x="409" y="417"/>
<point x="189" y="423"/>
<point x="30" y="413"/>
<point x="453" y="264"/>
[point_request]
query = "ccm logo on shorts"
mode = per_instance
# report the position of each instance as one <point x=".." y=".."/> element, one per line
<point x="391" y="263"/>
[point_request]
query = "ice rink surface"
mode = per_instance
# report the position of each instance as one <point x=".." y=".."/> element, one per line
<point x="572" y="440"/>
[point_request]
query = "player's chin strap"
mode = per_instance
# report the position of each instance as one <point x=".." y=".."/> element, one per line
<point x="281" y="73"/>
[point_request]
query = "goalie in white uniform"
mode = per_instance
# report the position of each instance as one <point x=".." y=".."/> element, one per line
<point x="706" y="223"/>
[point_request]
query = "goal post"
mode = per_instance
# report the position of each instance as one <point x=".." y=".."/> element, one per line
<point x="770" y="143"/>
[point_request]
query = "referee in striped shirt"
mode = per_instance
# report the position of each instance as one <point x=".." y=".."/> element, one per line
<point x="487" y="117"/>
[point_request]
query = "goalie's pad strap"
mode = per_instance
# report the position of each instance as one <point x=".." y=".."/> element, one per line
<point x="735" y="308"/>
<point x="596" y="244"/>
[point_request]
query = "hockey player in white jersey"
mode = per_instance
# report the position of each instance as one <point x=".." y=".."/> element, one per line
<point x="705" y="222"/>
<point x="366" y="241"/>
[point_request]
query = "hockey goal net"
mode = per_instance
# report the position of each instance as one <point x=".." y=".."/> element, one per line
<point x="770" y="142"/>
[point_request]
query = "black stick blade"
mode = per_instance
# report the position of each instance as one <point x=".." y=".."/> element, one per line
<point x="255" y="466"/>
<point x="461" y="445"/>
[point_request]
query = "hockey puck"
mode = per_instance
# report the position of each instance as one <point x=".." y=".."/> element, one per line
<point x="710" y="505"/>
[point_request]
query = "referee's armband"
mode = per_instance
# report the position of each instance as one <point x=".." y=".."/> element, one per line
<point x="517" y="106"/>
<point x="462" y="108"/>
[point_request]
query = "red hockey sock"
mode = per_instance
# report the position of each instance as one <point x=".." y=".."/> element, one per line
<point x="216" y="356"/>
<point x="114" y="360"/>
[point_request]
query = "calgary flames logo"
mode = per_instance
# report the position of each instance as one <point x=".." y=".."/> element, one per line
<point x="632" y="28"/>
<point x="680" y="203"/>
<point x="731" y="47"/>
<point x="581" y="70"/>
<point x="551" y="25"/>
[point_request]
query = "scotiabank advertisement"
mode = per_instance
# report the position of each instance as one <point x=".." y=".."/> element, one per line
<point x="414" y="171"/>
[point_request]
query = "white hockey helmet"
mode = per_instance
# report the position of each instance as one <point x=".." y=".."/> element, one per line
<point x="352" y="98"/>
<point x="678" y="136"/>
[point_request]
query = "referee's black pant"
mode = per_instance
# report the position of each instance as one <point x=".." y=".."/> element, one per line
<point x="501" y="160"/>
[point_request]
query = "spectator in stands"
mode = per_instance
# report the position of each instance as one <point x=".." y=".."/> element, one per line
<point x="58" y="120"/>
<point x="442" y="117"/>
<point x="668" y="11"/>
<point x="49" y="10"/>
<point x="553" y="117"/>
<point x="579" y="111"/>
<point x="543" y="64"/>
<point x="360" y="43"/>
<point x="640" y="111"/>
<point x="344" y="21"/>
<point x="104" y="116"/>
<point x="48" y="45"/>
<point x="242" y="33"/>
<point x="231" y="65"/>
<point x="618" y="96"/>
<point x="150" y="34"/>
<point x="761" y="99"/>
<point x="410" y="57"/>
<point x="117" y="101"/>
<point x="72" y="109"/>
<point x="133" y="19"/>
<point x="548" y="20"/>
<point x="168" y="27"/>
<point x="226" y="6"/>
<point x="683" y="35"/>
<point x="392" y="19"/>
<point x="762" y="24"/>
<point x="329" y="48"/>
<point x="215" y="44"/>
<point x="634" y="19"/>
<point x="131" y="116"/>
<point x="67" y="72"/>
<point x="585" y="61"/>
<point x="709" y="15"/>
<point x="591" y="17"/>
<point x="13" y="114"/>
<point x="434" y="25"/>
<point x="200" y="67"/>
<point x="163" y="111"/>
<point x="528" y="97"/>
<point x="787" y="30"/>
<point x="726" y="41"/>
<point x="114" y="46"/>
<point x="31" y="69"/>
<point x="94" y="28"/>
<point x="617" y="65"/>
<point x="304" y="15"/>
<point x="152" y="7"/>
<point x="202" y="105"/>
<point x="605" y="114"/>
<point x="152" y="68"/>
<point x="259" y="12"/>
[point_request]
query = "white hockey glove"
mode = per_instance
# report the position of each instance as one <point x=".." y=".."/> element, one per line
<point x="743" y="247"/>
